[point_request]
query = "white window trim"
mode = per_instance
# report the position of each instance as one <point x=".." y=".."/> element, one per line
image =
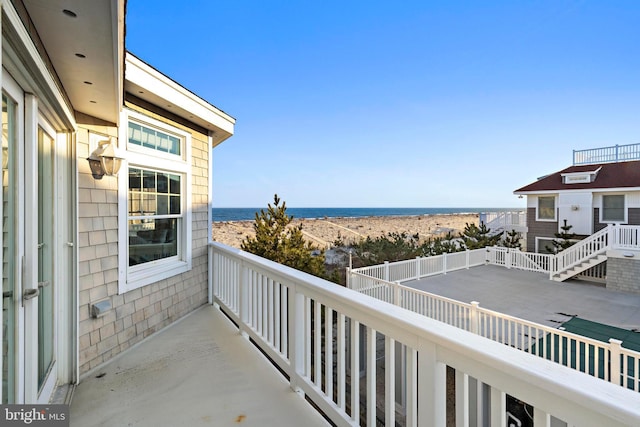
<point x="555" y="209"/>
<point x="626" y="209"/>
<point x="136" y="156"/>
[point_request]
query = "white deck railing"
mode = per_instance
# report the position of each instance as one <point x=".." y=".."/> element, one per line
<point x="593" y="357"/>
<point x="505" y="221"/>
<point x="615" y="153"/>
<point x="611" y="237"/>
<point x="318" y="334"/>
<point x="421" y="267"/>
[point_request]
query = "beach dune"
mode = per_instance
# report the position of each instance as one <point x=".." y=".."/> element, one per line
<point x="322" y="232"/>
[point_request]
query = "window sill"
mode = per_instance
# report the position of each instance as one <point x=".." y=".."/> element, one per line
<point x="153" y="274"/>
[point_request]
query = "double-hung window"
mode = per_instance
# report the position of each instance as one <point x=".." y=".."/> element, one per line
<point x="613" y="209"/>
<point x="155" y="223"/>
<point x="546" y="208"/>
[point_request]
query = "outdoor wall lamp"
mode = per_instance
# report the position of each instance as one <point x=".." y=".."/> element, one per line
<point x="104" y="160"/>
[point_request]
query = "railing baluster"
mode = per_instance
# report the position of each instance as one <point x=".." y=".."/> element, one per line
<point x="328" y="351"/>
<point x="354" y="372"/>
<point x="371" y="377"/>
<point x="341" y="365"/>
<point x="390" y="380"/>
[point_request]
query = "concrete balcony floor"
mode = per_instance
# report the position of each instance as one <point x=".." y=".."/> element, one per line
<point x="197" y="372"/>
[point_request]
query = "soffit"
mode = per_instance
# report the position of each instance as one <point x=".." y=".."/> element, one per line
<point x="93" y="83"/>
<point x="145" y="82"/>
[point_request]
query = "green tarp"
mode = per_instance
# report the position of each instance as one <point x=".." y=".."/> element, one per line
<point x="556" y="349"/>
<point x="602" y="332"/>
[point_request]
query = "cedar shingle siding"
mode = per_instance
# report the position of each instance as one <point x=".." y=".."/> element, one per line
<point x="138" y="313"/>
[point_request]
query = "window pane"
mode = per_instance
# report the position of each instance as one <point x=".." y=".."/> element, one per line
<point x="613" y="208"/>
<point x="135" y="179"/>
<point x="174" y="184"/>
<point x="149" y="181"/>
<point x="151" y="240"/>
<point x="163" y="183"/>
<point x="153" y="139"/>
<point x="545" y="246"/>
<point x="175" y="205"/>
<point x="546" y="208"/>
<point x="163" y="204"/>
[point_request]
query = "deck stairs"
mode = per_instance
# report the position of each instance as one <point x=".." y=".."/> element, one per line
<point x="499" y="222"/>
<point x="582" y="256"/>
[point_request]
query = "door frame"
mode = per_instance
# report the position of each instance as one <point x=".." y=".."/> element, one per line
<point x="64" y="369"/>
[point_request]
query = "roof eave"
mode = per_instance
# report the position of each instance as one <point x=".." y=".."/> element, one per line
<point x="147" y="83"/>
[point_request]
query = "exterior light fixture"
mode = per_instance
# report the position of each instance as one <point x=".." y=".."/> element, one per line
<point x="104" y="160"/>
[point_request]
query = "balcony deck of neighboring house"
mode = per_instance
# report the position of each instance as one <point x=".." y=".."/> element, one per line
<point x="197" y="372"/>
<point x="532" y="296"/>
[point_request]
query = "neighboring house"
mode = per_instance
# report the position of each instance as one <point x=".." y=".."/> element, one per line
<point x="588" y="196"/>
<point x="92" y="263"/>
<point x="601" y="189"/>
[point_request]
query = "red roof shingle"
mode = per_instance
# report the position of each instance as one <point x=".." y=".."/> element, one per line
<point x="612" y="175"/>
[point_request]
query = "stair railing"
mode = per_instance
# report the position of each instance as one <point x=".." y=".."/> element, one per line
<point x="593" y="245"/>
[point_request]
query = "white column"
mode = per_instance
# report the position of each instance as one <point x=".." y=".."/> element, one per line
<point x="462" y="399"/>
<point x="498" y="408"/>
<point x="432" y="387"/>
<point x="297" y="331"/>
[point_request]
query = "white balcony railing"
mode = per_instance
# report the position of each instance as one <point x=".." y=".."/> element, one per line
<point x="596" y="358"/>
<point x="614" y="153"/>
<point x="504" y="221"/>
<point x="324" y="338"/>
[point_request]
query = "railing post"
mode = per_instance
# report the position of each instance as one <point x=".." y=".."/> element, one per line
<point x="507" y="259"/>
<point x="614" y="361"/>
<point x="348" y="278"/>
<point x="616" y="153"/>
<point x="432" y="386"/>
<point x="386" y="271"/>
<point x="210" y="273"/>
<point x="297" y="328"/>
<point x="444" y="263"/>
<point x="418" y="268"/>
<point x="474" y="318"/>
<point x="244" y="293"/>
<point x="397" y="298"/>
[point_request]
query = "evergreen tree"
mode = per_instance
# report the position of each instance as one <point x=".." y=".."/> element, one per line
<point x="512" y="240"/>
<point x="277" y="240"/>
<point x="563" y="239"/>
<point x="474" y="237"/>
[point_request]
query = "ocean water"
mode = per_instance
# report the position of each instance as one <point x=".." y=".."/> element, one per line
<point x="248" y="214"/>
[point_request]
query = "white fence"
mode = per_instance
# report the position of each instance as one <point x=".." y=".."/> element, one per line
<point x="596" y="358"/>
<point x="420" y="267"/>
<point x="318" y="334"/>
<point x="613" y="236"/>
<point x="615" y="153"/>
<point x="504" y="220"/>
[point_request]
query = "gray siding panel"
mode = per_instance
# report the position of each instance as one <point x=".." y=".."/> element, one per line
<point x="538" y="229"/>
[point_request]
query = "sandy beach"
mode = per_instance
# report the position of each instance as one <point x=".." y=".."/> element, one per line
<point x="323" y="232"/>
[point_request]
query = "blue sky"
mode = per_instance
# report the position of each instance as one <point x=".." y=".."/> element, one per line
<point x="398" y="104"/>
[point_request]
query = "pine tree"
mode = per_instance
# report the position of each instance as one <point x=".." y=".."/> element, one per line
<point x="564" y="239"/>
<point x="512" y="240"/>
<point x="277" y="240"/>
<point x="474" y="237"/>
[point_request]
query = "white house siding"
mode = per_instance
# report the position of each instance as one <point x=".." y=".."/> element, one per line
<point x="143" y="311"/>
